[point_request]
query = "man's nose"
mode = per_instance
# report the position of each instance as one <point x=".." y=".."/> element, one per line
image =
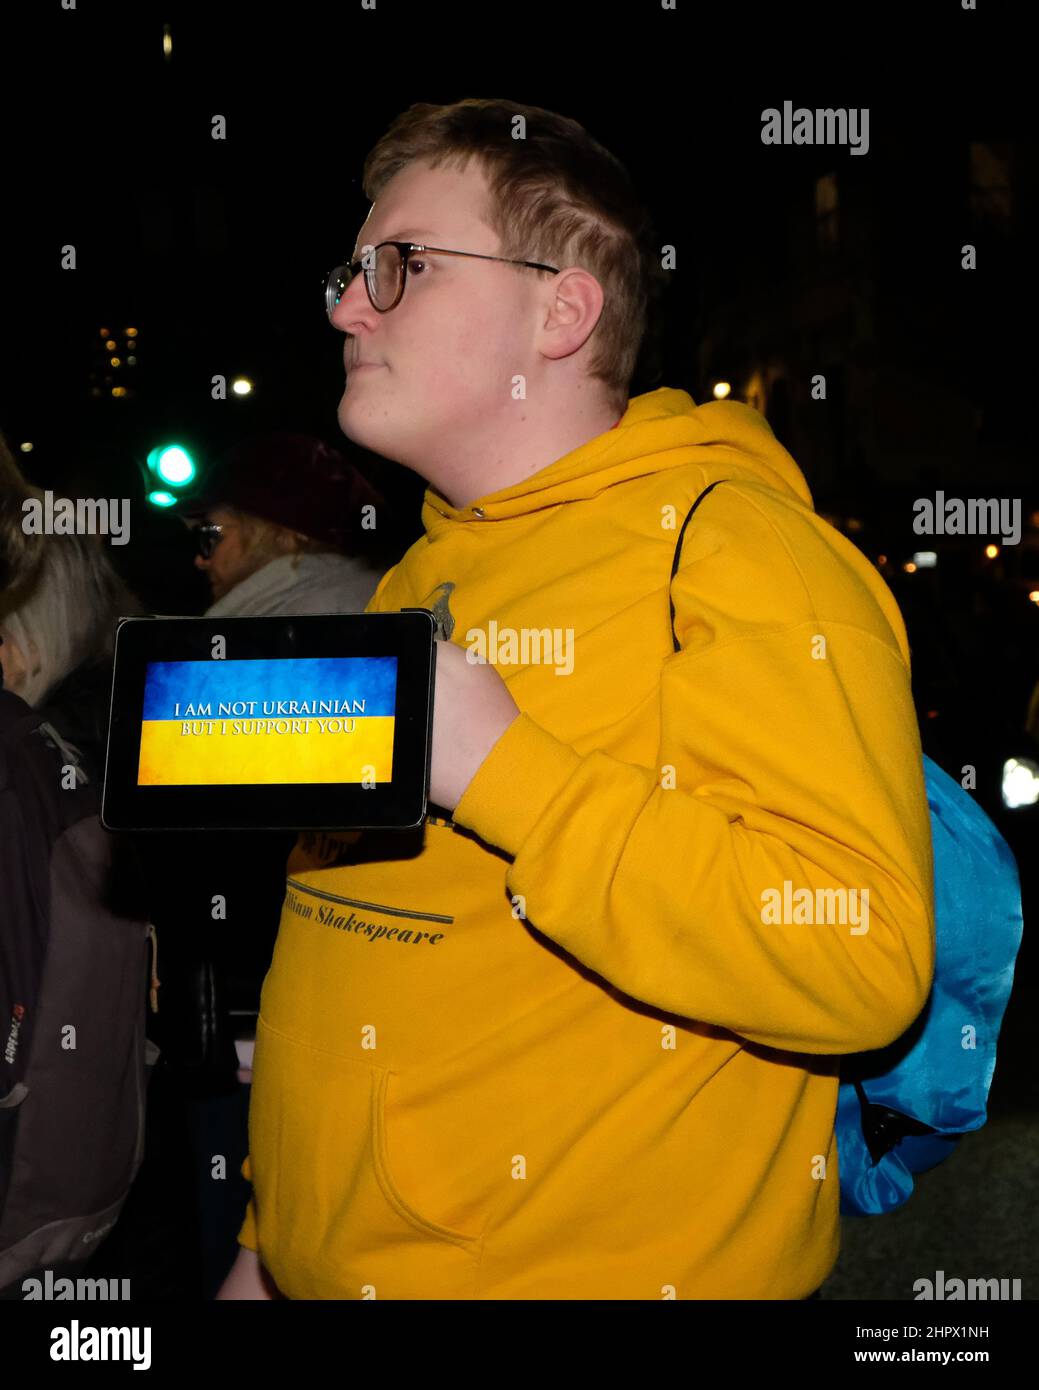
<point x="354" y="308"/>
<point x="201" y="563"/>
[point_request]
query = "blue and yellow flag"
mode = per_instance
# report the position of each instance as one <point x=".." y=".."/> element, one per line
<point x="311" y="719"/>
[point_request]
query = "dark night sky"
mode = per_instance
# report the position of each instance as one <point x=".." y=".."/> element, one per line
<point x="217" y="250"/>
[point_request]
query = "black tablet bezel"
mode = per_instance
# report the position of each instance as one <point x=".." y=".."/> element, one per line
<point x="408" y="635"/>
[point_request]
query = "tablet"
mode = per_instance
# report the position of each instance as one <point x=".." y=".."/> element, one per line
<point x="320" y="722"/>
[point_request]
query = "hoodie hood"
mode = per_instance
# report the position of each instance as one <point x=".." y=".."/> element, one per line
<point x="660" y="430"/>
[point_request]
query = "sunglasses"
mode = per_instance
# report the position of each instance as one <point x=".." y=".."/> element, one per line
<point x="208" y="535"/>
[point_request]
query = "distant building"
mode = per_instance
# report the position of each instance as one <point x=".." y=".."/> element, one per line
<point x="114" y="363"/>
<point x="859" y="280"/>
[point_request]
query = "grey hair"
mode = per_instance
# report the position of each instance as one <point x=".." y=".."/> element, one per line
<point x="68" y="617"/>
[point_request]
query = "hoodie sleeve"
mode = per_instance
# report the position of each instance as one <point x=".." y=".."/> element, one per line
<point x="776" y="772"/>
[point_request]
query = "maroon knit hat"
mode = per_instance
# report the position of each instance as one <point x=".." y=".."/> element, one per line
<point x="293" y="479"/>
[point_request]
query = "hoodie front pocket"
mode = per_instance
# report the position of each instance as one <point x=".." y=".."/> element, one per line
<point x="332" y="1222"/>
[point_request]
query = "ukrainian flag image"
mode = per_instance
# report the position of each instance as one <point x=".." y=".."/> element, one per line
<point x="311" y="719"/>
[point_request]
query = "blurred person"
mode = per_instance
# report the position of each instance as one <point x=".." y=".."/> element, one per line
<point x="57" y="634"/>
<point x="60" y="600"/>
<point x="594" y="1069"/>
<point x="59" y="608"/>
<point x="18" y="559"/>
<point x="280" y="528"/>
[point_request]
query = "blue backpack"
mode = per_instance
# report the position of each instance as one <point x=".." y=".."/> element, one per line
<point x="903" y="1108"/>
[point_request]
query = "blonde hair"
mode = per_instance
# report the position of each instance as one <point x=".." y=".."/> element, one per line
<point x="556" y="196"/>
<point x="264" y="540"/>
<point x="68" y="619"/>
<point x="60" y="596"/>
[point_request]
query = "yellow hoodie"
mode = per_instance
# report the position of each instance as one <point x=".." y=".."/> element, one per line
<point x="582" y="1041"/>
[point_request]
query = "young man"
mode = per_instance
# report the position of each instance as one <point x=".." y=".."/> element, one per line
<point x="566" y="1044"/>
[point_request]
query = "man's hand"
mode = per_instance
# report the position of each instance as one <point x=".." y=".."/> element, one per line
<point x="472" y="708"/>
<point x="247" y="1279"/>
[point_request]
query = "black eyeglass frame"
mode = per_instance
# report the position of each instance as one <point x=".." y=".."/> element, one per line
<point x="406" y="249"/>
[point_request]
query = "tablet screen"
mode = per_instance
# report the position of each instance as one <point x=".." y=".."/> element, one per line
<point x="310" y="719"/>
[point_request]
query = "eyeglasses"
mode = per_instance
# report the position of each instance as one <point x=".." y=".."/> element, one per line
<point x="208" y="536"/>
<point x="386" y="272"/>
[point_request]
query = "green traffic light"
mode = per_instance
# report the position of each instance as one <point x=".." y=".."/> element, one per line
<point x="175" y="466"/>
<point x="161" y="499"/>
<point x="172" y="464"/>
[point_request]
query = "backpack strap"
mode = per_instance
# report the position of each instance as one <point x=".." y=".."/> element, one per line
<point x="678" y="553"/>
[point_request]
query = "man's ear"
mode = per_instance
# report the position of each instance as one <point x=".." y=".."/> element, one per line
<point x="574" y="312"/>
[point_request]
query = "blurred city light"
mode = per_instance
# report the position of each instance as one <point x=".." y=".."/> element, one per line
<point x="173" y="464"/>
<point x="1020" y="782"/>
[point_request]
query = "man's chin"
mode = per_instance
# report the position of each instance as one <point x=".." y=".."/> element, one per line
<point x="352" y="424"/>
